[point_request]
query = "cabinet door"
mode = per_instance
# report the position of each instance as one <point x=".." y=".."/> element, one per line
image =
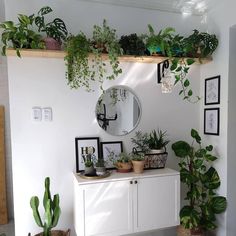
<point x="156" y="203"/>
<point x="108" y="209"/>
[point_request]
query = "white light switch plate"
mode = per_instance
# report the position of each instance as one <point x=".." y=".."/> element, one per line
<point x="47" y="114"/>
<point x="36" y="114"/>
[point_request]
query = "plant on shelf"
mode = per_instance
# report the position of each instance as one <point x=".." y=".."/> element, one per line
<point x="157" y="140"/>
<point x="180" y="67"/>
<point x="202" y="181"/>
<point x="140" y="141"/>
<point x="160" y="43"/>
<point x="132" y="45"/>
<point x="138" y="162"/>
<point x="78" y="73"/>
<point x="100" y="166"/>
<point x="105" y="41"/>
<point x="123" y="163"/>
<point x="89" y="160"/>
<point x="153" y="142"/>
<point x="78" y="48"/>
<point x="55" y="30"/>
<point x="200" y="45"/>
<point x="52" y="212"/>
<point x="20" y="35"/>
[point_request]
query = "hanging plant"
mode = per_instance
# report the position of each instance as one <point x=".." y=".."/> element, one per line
<point x="77" y="61"/>
<point x="180" y="67"/>
<point x="105" y="41"/>
<point x="81" y="71"/>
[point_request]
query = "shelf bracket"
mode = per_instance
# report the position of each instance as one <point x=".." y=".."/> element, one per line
<point x="161" y="68"/>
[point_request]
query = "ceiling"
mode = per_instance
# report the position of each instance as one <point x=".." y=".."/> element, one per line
<point x="195" y="7"/>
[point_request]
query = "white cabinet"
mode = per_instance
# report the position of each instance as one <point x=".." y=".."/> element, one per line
<point x="126" y="203"/>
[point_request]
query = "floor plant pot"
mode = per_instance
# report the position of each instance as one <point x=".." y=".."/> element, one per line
<point x="55" y="233"/>
<point x="138" y="166"/>
<point x="181" y="231"/>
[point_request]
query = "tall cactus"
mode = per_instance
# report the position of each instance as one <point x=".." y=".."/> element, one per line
<point x="51" y="207"/>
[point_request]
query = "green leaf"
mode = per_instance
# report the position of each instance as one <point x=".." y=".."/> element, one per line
<point x="181" y="148"/>
<point x="195" y="135"/>
<point x="181" y="91"/>
<point x="173" y="67"/>
<point x="186" y="83"/>
<point x="190" y="61"/>
<point x="198" y="163"/>
<point x="178" y="69"/>
<point x="209" y="157"/>
<point x="189" y="217"/>
<point x="219" y="204"/>
<point x="209" y="148"/>
<point x="211" y="179"/>
<point x="190" y="93"/>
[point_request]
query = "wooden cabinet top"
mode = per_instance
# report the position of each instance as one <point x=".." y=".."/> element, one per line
<point x="115" y="176"/>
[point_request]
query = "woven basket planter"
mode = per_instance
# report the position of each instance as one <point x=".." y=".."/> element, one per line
<point x="181" y="231"/>
<point x="55" y="233"/>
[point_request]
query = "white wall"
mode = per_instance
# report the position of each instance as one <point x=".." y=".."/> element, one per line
<point x="220" y="65"/>
<point x="47" y="149"/>
<point x="4" y="100"/>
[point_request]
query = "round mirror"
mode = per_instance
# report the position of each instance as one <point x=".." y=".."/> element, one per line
<point x="118" y="110"/>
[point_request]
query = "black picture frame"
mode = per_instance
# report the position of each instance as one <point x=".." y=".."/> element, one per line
<point x="212" y="90"/>
<point x="212" y="121"/>
<point x="106" y="147"/>
<point x="83" y="145"/>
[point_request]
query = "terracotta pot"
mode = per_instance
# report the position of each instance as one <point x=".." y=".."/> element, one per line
<point x="55" y="233"/>
<point x="52" y="44"/>
<point x="124" y="167"/>
<point x="138" y="166"/>
<point x="181" y="231"/>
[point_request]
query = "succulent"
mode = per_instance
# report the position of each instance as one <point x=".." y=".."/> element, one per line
<point x="51" y="207"/>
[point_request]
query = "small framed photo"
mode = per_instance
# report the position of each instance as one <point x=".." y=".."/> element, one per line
<point x="110" y="151"/>
<point x="212" y="121"/>
<point x="212" y="90"/>
<point x="84" y="148"/>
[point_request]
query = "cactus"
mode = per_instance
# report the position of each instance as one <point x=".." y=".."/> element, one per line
<point x="51" y="207"/>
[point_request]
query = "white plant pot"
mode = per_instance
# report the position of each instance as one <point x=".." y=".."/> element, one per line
<point x="156" y="151"/>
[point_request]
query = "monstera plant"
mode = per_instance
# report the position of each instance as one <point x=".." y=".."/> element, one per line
<point x="202" y="181"/>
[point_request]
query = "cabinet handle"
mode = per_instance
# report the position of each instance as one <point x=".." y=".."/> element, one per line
<point x="131" y="182"/>
<point x="135" y="181"/>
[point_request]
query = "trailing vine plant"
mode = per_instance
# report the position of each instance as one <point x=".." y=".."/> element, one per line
<point x="180" y="67"/>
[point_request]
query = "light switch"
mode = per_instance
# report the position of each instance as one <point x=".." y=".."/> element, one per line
<point x="47" y="114"/>
<point x="37" y="114"/>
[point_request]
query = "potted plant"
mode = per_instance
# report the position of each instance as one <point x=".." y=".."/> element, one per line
<point x="100" y="167"/>
<point x="160" y="43"/>
<point x="138" y="162"/>
<point x="157" y="141"/>
<point x="78" y="73"/>
<point x="55" y="30"/>
<point x="105" y="40"/>
<point x="200" y="44"/>
<point x="52" y="212"/>
<point x="20" y="35"/>
<point x="202" y="181"/>
<point x="123" y="163"/>
<point x="132" y="45"/>
<point x="89" y="165"/>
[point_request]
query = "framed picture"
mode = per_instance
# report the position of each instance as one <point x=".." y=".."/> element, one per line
<point x="212" y="90"/>
<point x="86" y="148"/>
<point x="212" y="121"/>
<point x="110" y="151"/>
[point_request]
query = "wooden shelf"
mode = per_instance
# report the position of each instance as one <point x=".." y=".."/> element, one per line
<point x="61" y="54"/>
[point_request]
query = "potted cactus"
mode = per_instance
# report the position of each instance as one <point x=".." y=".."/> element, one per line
<point x="52" y="213"/>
